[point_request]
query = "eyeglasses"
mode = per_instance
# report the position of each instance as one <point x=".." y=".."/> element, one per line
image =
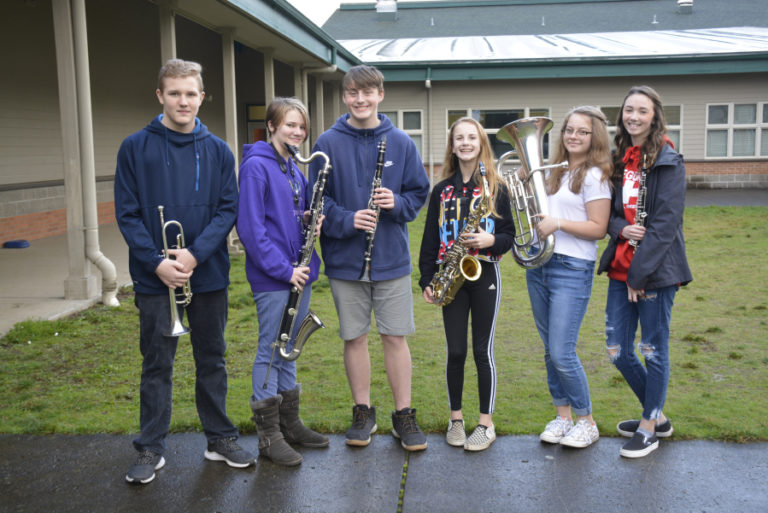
<point x="580" y="133"/>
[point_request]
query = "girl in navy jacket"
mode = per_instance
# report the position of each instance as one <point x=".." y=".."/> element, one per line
<point x="645" y="261"/>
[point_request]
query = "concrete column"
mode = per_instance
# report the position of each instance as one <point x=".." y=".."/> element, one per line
<point x="80" y="282"/>
<point x="269" y="74"/>
<point x="318" y="121"/>
<point x="230" y="92"/>
<point x="230" y="114"/>
<point x="167" y="19"/>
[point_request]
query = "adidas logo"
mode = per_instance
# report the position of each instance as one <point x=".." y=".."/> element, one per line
<point x="492" y="287"/>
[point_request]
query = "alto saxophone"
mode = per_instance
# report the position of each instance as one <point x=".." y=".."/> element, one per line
<point x="458" y="264"/>
<point x="311" y="321"/>
<point x="640" y="213"/>
<point x="365" y="275"/>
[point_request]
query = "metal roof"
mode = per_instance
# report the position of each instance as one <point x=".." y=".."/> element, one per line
<point x="521" y="48"/>
<point x="499" y="39"/>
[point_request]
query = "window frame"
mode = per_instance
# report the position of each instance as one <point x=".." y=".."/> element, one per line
<point x="398" y="122"/>
<point x="759" y="126"/>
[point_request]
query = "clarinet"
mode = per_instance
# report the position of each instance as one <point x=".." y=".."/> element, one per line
<point x="640" y="214"/>
<point x="311" y="322"/>
<point x="365" y="275"/>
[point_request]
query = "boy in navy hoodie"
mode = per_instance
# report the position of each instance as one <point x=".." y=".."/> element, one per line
<point x="175" y="162"/>
<point x="352" y="145"/>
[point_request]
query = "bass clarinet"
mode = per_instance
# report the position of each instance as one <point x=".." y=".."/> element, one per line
<point x="311" y="321"/>
<point x="370" y="234"/>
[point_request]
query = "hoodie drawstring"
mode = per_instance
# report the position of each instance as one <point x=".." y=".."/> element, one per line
<point x="197" y="161"/>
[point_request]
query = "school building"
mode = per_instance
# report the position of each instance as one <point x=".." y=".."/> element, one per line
<point x="80" y="75"/>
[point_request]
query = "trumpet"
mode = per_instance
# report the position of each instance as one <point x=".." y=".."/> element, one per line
<point x="183" y="297"/>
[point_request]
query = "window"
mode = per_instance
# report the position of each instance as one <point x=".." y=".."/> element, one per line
<point x="672" y="116"/>
<point x="493" y="120"/>
<point x="737" y="130"/>
<point x="409" y="121"/>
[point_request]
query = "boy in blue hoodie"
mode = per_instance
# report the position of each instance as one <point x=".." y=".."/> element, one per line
<point x="175" y="162"/>
<point x="352" y="145"/>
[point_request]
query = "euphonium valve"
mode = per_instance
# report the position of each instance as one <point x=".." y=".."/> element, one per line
<point x="527" y="191"/>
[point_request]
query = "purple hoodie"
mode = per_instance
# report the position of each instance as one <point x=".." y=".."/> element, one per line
<point x="267" y="218"/>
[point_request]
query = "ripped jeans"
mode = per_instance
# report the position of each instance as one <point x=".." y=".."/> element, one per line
<point x="649" y="382"/>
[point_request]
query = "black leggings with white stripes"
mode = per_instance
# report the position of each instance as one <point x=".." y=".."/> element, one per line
<point x="481" y="298"/>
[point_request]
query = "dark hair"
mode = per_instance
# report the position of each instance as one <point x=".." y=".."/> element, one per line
<point x="655" y="140"/>
<point x="361" y="77"/>
<point x="177" y="68"/>
<point x="599" y="154"/>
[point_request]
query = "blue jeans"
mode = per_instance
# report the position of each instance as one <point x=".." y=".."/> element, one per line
<point x="649" y="383"/>
<point x="559" y="292"/>
<point x="269" y="308"/>
<point x="207" y="317"/>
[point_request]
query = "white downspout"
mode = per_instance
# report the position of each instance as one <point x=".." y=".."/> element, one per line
<point x="428" y="87"/>
<point x="88" y="167"/>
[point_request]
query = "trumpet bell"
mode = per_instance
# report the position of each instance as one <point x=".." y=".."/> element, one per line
<point x="176" y="329"/>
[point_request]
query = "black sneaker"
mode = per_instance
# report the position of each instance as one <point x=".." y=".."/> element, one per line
<point x="639" y="446"/>
<point x="405" y="428"/>
<point x="628" y="427"/>
<point x="226" y="449"/>
<point x="143" y="470"/>
<point x="363" y="424"/>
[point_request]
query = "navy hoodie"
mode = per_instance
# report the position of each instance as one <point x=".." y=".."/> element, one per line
<point x="193" y="176"/>
<point x="353" y="153"/>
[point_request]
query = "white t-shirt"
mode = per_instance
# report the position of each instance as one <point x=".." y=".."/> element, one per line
<point x="567" y="205"/>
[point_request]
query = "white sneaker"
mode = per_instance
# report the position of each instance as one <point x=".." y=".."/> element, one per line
<point x="556" y="430"/>
<point x="583" y="434"/>
<point x="456" y="435"/>
<point x="480" y="439"/>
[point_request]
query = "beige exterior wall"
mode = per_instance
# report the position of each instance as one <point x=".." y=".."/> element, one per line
<point x="692" y="93"/>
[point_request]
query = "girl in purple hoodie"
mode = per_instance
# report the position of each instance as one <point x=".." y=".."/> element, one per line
<point x="273" y="210"/>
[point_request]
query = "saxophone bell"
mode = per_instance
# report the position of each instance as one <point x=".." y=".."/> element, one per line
<point x="309" y="325"/>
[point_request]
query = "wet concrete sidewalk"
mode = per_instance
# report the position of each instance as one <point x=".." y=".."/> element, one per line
<point x="516" y="474"/>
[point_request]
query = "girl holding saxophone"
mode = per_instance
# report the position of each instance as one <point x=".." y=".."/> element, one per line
<point x="579" y="203"/>
<point x="273" y="211"/>
<point x="466" y="190"/>
<point x="645" y="261"/>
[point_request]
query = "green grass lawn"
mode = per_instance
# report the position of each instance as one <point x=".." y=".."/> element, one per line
<point x="81" y="374"/>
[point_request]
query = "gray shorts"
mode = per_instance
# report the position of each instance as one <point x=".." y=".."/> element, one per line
<point x="391" y="302"/>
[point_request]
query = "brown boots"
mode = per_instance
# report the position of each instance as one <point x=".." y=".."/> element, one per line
<point x="293" y="429"/>
<point x="278" y="423"/>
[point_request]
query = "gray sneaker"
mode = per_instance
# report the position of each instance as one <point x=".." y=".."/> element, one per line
<point x="143" y="469"/>
<point x="405" y="428"/>
<point x="226" y="449"/>
<point x="456" y="436"/>
<point x="363" y="424"/>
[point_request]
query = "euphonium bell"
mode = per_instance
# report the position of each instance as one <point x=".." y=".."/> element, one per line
<point x="527" y="191"/>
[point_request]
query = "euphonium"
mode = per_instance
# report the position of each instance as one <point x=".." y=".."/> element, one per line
<point x="184" y="297"/>
<point x="311" y="322"/>
<point x="527" y="193"/>
<point x="458" y="264"/>
<point x="370" y="234"/>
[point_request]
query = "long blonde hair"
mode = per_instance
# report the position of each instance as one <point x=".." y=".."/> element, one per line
<point x="451" y="161"/>
<point x="599" y="154"/>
